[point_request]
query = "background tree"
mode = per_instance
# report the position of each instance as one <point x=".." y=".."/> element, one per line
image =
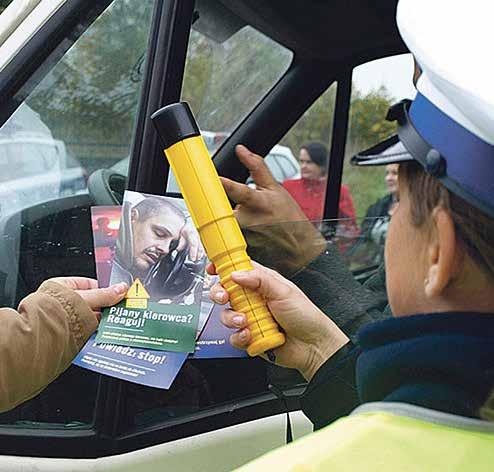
<point x="316" y="124"/>
<point x="367" y="117"/>
<point x="89" y="99"/>
<point x="224" y="81"/>
<point x="367" y="127"/>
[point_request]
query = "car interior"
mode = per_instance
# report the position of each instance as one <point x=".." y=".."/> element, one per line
<point x="310" y="51"/>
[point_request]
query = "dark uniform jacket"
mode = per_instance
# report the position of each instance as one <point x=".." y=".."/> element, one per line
<point x="440" y="361"/>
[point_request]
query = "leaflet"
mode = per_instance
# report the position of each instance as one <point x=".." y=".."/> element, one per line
<point x="213" y="343"/>
<point x="144" y="366"/>
<point x="148" y="367"/>
<point x="159" y="255"/>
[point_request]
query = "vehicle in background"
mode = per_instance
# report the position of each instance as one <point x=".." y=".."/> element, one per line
<point x="282" y="164"/>
<point x="280" y="160"/>
<point x="213" y="139"/>
<point x="36" y="168"/>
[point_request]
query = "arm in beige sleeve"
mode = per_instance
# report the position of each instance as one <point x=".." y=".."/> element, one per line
<point x="39" y="341"/>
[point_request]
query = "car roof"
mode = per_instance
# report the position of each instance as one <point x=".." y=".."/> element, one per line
<point x="361" y="26"/>
<point x="320" y="29"/>
<point x="280" y="149"/>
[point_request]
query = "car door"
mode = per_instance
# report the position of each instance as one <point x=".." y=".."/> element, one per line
<point x="89" y="75"/>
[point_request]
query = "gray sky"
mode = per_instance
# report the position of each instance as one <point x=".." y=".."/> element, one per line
<point x="394" y="72"/>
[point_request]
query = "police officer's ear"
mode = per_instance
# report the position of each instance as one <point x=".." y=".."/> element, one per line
<point x="443" y="254"/>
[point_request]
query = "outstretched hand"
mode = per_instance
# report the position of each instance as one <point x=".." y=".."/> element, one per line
<point x="268" y="203"/>
<point x="274" y="224"/>
<point x="311" y="337"/>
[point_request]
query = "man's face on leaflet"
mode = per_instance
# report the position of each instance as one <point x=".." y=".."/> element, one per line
<point x="153" y="237"/>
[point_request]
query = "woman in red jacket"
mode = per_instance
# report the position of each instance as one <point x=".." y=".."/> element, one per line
<point x="309" y="190"/>
<point x="309" y="193"/>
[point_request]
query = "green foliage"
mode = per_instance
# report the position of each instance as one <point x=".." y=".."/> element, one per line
<point x="90" y="98"/>
<point x="367" y="117"/>
<point x="367" y="126"/>
<point x="223" y="82"/>
<point x="316" y="124"/>
<point x="198" y="68"/>
<point x="366" y="185"/>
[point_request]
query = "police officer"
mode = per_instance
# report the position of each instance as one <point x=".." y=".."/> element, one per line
<point x="425" y="377"/>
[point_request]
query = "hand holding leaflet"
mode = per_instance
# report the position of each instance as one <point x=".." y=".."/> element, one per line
<point x="213" y="217"/>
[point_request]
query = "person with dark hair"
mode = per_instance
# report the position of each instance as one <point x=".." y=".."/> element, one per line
<point x="374" y="227"/>
<point x="309" y="191"/>
<point x="151" y="207"/>
<point x="148" y="231"/>
<point x="154" y="243"/>
<point x="425" y="376"/>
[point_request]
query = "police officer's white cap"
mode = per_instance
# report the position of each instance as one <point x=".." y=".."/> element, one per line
<point x="453" y="43"/>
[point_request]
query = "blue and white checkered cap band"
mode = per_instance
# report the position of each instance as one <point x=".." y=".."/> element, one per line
<point x="469" y="159"/>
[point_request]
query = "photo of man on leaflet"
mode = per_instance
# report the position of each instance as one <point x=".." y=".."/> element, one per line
<point x="158" y="244"/>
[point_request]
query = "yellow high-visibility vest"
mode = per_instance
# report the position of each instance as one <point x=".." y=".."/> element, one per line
<point x="389" y="437"/>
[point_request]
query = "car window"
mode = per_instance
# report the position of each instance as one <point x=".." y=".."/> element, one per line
<point x="375" y="86"/>
<point x="203" y="384"/>
<point x="31" y="158"/>
<point x="216" y="87"/>
<point x="64" y="130"/>
<point x="216" y="84"/>
<point x="220" y="94"/>
<point x="71" y="114"/>
<point x="310" y="135"/>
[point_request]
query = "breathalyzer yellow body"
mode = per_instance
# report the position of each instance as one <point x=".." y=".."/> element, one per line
<point x="213" y="217"/>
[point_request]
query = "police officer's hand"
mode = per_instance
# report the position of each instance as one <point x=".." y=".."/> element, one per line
<point x="96" y="298"/>
<point x="273" y="223"/>
<point x="311" y="337"/>
<point x="190" y="238"/>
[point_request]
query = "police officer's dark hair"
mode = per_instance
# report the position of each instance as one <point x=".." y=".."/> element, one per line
<point x="318" y="154"/>
<point x="152" y="206"/>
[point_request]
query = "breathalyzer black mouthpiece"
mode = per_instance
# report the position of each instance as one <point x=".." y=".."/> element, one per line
<point x="174" y="123"/>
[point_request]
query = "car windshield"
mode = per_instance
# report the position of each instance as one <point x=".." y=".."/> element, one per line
<point x="216" y="86"/>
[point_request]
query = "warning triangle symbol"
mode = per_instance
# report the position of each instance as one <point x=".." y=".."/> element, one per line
<point x="137" y="290"/>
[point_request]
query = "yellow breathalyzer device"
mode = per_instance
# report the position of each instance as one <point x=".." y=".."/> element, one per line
<point x="213" y="217"/>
